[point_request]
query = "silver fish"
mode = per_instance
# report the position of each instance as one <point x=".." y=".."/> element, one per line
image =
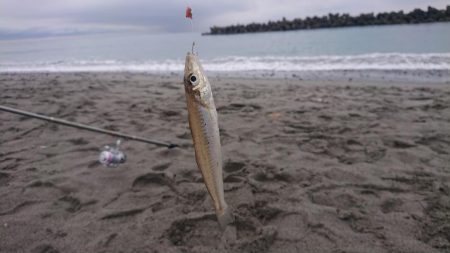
<point x="205" y="134"/>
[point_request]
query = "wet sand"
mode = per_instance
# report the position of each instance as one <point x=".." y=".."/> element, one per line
<point x="310" y="166"/>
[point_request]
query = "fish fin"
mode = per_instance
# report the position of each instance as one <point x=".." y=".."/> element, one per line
<point x="225" y="218"/>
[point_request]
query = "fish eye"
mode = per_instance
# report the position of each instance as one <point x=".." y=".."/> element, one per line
<point x="193" y="79"/>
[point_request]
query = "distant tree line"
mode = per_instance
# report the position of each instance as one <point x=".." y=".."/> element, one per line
<point x="339" y="20"/>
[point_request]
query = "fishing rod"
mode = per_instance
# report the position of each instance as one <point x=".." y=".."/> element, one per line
<point x="86" y="127"/>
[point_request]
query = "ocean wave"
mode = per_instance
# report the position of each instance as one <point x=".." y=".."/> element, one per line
<point x="375" y="61"/>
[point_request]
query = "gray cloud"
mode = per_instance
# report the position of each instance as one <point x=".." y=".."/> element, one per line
<point x="85" y="16"/>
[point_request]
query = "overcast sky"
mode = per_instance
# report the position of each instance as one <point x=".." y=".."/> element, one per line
<point x="47" y="17"/>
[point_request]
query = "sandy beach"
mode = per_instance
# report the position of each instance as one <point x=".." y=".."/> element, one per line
<point x="309" y="166"/>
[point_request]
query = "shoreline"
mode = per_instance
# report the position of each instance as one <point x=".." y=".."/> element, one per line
<point x="419" y="77"/>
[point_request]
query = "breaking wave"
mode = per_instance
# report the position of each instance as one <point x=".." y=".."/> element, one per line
<point x="375" y="61"/>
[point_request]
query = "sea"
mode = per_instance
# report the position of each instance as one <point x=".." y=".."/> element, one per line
<point x="418" y="52"/>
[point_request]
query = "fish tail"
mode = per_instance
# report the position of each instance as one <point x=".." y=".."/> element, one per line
<point x="225" y="218"/>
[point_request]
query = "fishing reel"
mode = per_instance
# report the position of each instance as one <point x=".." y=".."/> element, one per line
<point x="112" y="156"/>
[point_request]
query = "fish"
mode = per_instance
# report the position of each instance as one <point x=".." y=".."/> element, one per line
<point x="203" y="122"/>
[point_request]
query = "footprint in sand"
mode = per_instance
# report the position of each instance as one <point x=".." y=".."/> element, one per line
<point x="235" y="171"/>
<point x="154" y="181"/>
<point x="391" y="205"/>
<point x="264" y="212"/>
<point x="202" y="231"/>
<point x="291" y="226"/>
<point x="196" y="198"/>
<point x="69" y="204"/>
<point x="439" y="143"/>
<point x="352" y="151"/>
<point x="231" y="167"/>
<point x="251" y="223"/>
<point x="335" y="199"/>
<point x="272" y="174"/>
<point x="259" y="243"/>
<point x="269" y="178"/>
<point x="345" y="150"/>
<point x="44" y="248"/>
<point x="315" y="146"/>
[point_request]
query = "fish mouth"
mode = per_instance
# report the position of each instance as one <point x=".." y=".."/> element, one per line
<point x="190" y="57"/>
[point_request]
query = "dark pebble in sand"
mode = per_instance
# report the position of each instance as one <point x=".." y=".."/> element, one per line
<point x="78" y="141"/>
<point x="170" y="113"/>
<point x="402" y="144"/>
<point x="71" y="204"/>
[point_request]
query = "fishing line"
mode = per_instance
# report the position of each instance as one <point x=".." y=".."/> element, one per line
<point x="192" y="30"/>
<point x="190" y="16"/>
